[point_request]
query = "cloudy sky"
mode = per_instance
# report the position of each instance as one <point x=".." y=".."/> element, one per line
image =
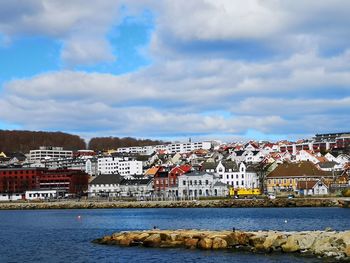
<point x="170" y="69"/>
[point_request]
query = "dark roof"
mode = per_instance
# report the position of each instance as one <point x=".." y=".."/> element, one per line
<point x="143" y="181"/>
<point x="142" y="158"/>
<point x="296" y="170"/>
<point x="253" y="168"/>
<point x="239" y="153"/>
<point x="195" y="173"/>
<point x="209" y="165"/>
<point x="230" y="165"/>
<point x="327" y="164"/>
<point x="107" y="179"/>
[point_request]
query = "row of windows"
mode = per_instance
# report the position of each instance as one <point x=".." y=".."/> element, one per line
<point x="280" y="181"/>
<point x="195" y="182"/>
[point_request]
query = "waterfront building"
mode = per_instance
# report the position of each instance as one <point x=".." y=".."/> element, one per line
<point x="114" y="185"/>
<point x="19" y="180"/>
<point x="200" y="184"/>
<point x="285" y="177"/>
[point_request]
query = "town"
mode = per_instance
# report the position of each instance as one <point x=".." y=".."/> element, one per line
<point x="180" y="171"/>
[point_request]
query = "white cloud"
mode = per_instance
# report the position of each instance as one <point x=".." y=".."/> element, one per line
<point x="189" y="93"/>
<point x="189" y="96"/>
<point x="81" y="26"/>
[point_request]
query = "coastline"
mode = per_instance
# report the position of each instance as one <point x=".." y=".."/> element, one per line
<point x="223" y="203"/>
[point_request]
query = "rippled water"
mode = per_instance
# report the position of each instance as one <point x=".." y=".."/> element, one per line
<point x="65" y="235"/>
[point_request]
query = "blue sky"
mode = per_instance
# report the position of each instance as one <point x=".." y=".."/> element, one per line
<point x="176" y="69"/>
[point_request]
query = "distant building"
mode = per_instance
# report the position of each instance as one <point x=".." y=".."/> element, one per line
<point x="49" y="152"/>
<point x="122" y="166"/>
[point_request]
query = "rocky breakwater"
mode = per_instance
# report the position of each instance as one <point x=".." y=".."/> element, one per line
<point x="325" y="244"/>
<point x="233" y="203"/>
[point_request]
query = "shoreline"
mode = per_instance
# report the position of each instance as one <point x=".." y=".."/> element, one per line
<point x="224" y="203"/>
<point x="323" y="244"/>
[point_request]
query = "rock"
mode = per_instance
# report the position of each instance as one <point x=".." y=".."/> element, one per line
<point x="141" y="237"/>
<point x="257" y="242"/>
<point x="273" y="242"/>
<point x="191" y="243"/>
<point x="291" y="245"/>
<point x="205" y="243"/>
<point x="347" y="251"/>
<point x="219" y="243"/>
<point x="238" y="238"/>
<point x="125" y="242"/>
<point x="152" y="241"/>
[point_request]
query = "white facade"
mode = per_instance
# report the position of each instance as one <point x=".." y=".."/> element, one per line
<point x="306" y="156"/>
<point x="10" y="197"/>
<point x="237" y="177"/>
<point x="199" y="184"/>
<point x="40" y="194"/>
<point x="170" y="148"/>
<point x="49" y="152"/>
<point x="113" y="165"/>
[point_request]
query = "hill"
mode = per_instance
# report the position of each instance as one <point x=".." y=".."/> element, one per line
<point x="105" y="143"/>
<point x="24" y="141"/>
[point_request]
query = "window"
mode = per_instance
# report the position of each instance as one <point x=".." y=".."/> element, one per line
<point x="206" y="182"/>
<point x="184" y="182"/>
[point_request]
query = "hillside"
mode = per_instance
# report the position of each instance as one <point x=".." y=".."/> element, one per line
<point x="24" y="141"/>
<point x="105" y="143"/>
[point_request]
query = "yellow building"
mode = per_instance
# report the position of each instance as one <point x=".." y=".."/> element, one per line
<point x="286" y="176"/>
<point x="2" y="154"/>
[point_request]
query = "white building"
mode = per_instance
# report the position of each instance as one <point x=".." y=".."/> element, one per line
<point x="242" y="176"/>
<point x="41" y="194"/>
<point x="10" y="197"/>
<point x="237" y="176"/>
<point x="199" y="184"/>
<point x="110" y="185"/>
<point x="170" y="148"/>
<point x="123" y="166"/>
<point x="49" y="152"/>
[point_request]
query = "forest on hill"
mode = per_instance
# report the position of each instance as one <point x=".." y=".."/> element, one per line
<point x="106" y="143"/>
<point x="24" y="141"/>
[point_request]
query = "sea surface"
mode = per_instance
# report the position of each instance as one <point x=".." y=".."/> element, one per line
<point x="65" y="235"/>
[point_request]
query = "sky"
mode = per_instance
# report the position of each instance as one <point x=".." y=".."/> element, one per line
<point x="164" y="69"/>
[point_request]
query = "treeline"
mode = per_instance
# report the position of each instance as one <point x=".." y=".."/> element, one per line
<point x="24" y="141"/>
<point x="105" y="143"/>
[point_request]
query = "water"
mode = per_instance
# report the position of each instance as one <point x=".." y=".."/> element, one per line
<point x="63" y="236"/>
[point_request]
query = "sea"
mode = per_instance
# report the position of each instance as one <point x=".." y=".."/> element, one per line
<point x="66" y="235"/>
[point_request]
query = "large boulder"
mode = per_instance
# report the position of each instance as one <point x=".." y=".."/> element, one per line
<point x="152" y="241"/>
<point x="219" y="243"/>
<point x="274" y="241"/>
<point x="191" y="243"/>
<point x="238" y="238"/>
<point x="291" y="245"/>
<point x="205" y="243"/>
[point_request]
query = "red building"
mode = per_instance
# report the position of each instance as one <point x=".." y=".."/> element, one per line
<point x="18" y="180"/>
<point x="164" y="181"/>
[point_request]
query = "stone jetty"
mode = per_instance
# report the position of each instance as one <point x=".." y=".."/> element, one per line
<point x="325" y="244"/>
<point x="223" y="203"/>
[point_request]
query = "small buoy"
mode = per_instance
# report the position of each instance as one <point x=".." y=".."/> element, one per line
<point x="286" y="221"/>
<point x="79" y="217"/>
